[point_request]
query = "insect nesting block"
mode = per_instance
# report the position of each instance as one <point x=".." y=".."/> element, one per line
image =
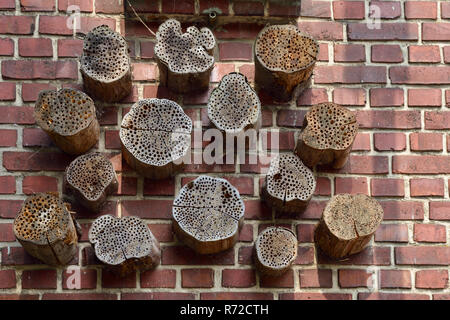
<point x="155" y="134"/>
<point x="105" y="65"/>
<point x="46" y="229"/>
<point x="68" y="117"/>
<point x="284" y="61"/>
<point x="208" y="214"/>
<point x="185" y="60"/>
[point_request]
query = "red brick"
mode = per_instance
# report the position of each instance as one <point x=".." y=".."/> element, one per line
<point x="349" y="74"/>
<point x="439" y="210"/>
<point x="111" y="280"/>
<point x="349" y="96"/>
<point x="7" y="279"/>
<point x="197" y="278"/>
<point x="257" y="210"/>
<point x="420" y="10"/>
<point x="35" y="47"/>
<point x="391" y="296"/>
<point x="127" y="186"/>
<point x="311" y="97"/>
<point x="437" y="120"/>
<point x="430" y="233"/>
<point x="435" y="31"/>
<point x="305" y="232"/>
<point x="349" y="53"/>
<point x="351" y="185"/>
<point x="39" y="279"/>
<point x="315" y="296"/>
<point x="246" y="233"/>
<point x="387" y="187"/>
<point x="35" y="184"/>
<point x="323" y="30"/>
<point x="348" y="10"/>
<point x="162" y="231"/>
<point x="196" y="98"/>
<point x="424" y="141"/>
<point x="7" y="91"/>
<point x="206" y="5"/>
<point x="39" y="69"/>
<point x="109" y="6"/>
<point x="6" y="47"/>
<point x="395" y="279"/>
<point x="158" y="278"/>
<point x="181" y="6"/>
<point x="386" y="97"/>
<point x="402" y="210"/>
<point x="387" y="31"/>
<point x="29" y="161"/>
<point x="425" y="164"/>
<point x="441" y="296"/>
<point x="361" y="142"/>
<point x="420" y="75"/>
<point x="84" y="5"/>
<point x="392" y="233"/>
<point x="235" y="51"/>
<point x="355" y="278"/>
<point x="8" y="138"/>
<point x="89" y="23"/>
<point x="424" y="97"/>
<point x="9" y="208"/>
<point x="362" y="165"/>
<point x="30" y="91"/>
<point x="54" y="25"/>
<point x="380" y="256"/>
<point x="112" y="140"/>
<point x="238" y="278"/>
<point x="315" y="278"/>
<point x="431" y="279"/>
<point x="312" y="8"/>
<point x="305" y="256"/>
<point x="37" y="5"/>
<point x="248" y="8"/>
<point x="79" y="296"/>
<point x="144" y="72"/>
<point x="236" y="296"/>
<point x="445" y="10"/>
<point x="161" y="209"/>
<point x="7" y="5"/>
<point x="165" y="187"/>
<point x="323" y="52"/>
<point x="7" y="185"/>
<point x="423" y="255"/>
<point x="17" y="24"/>
<point x="238" y="31"/>
<point x="245" y="255"/>
<point x="158" y="296"/>
<point x="388" y="119"/>
<point x="181" y="255"/>
<point x="286" y="280"/>
<point x="392" y="141"/>
<point x="7" y="233"/>
<point x="88" y="279"/>
<point x="17" y="115"/>
<point x="430" y="54"/>
<point x="323" y="186"/>
<point x="247" y="70"/>
<point x="385" y="53"/>
<point x="147" y="49"/>
<point x="70" y="48"/>
<point x="388" y="9"/>
<point x="35" y="137"/>
<point x="220" y="70"/>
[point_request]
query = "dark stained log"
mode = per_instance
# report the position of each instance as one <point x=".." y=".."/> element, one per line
<point x="105" y="65"/>
<point x="90" y="178"/>
<point x="208" y="214"/>
<point x="275" y="251"/>
<point x="45" y="228"/>
<point x="68" y="117"/>
<point x="185" y="60"/>
<point x="347" y="224"/>
<point x="289" y="184"/>
<point x="284" y="61"/>
<point x="327" y="136"/>
<point x="124" y="244"/>
<point x="154" y="134"/>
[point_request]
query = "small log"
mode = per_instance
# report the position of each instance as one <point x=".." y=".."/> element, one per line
<point x="90" y="178"/>
<point x="125" y="244"/>
<point x="347" y="224"/>
<point x="155" y="134"/>
<point x="46" y="229"/>
<point x="289" y="184"/>
<point x="105" y="65"/>
<point x="275" y="251"/>
<point x="327" y="136"/>
<point x="208" y="214"/>
<point x="185" y="60"/>
<point x="284" y="61"/>
<point x="68" y="117"/>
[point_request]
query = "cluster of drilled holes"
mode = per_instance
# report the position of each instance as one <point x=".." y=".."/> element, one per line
<point x="42" y="219"/>
<point x="156" y="131"/>
<point x="66" y="111"/>
<point x="285" y="48"/>
<point x="119" y="239"/>
<point x="276" y="247"/>
<point x="331" y="126"/>
<point x="233" y="104"/>
<point x="184" y="52"/>
<point x="288" y="178"/>
<point x="105" y="54"/>
<point x="208" y="209"/>
<point x="90" y="174"/>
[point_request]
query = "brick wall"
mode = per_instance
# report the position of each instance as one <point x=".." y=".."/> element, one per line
<point x="396" y="78"/>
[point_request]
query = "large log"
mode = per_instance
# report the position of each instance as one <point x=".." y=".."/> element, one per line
<point x="185" y="60"/>
<point x="154" y="134"/>
<point x="208" y="214"/>
<point x="105" y="65"/>
<point x="90" y="178"/>
<point x="347" y="225"/>
<point x="46" y="229"/>
<point x="68" y="117"/>
<point x="327" y="136"/>
<point x="124" y="244"/>
<point x="284" y="61"/>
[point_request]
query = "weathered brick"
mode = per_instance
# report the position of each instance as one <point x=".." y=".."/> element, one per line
<point x="315" y="296"/>
<point x="391" y="296"/>
<point x="84" y="5"/>
<point x="110" y="280"/>
<point x="402" y="210"/>
<point x="35" y="137"/>
<point x="386" y="97"/>
<point x="439" y="210"/>
<point x="324" y="30"/>
<point x="30" y="91"/>
<point x="349" y="74"/>
<point x="9" y="208"/>
<point x="235" y="51"/>
<point x="17" y="24"/>
<point x="221" y="5"/>
<point x="7" y="185"/>
<point x="29" y="161"/>
<point x="305" y="232"/>
<point x="182" y="6"/>
<point x="7" y="5"/>
<point x="425" y="164"/>
<point x="387" y="31"/>
<point x="7" y="279"/>
<point x="387" y="187"/>
<point x="197" y="278"/>
<point x="160" y="209"/>
<point x="79" y="296"/>
<point x="380" y="256"/>
<point x="388" y="119"/>
<point x="35" y="184"/>
<point x="158" y="278"/>
<point x="424" y="97"/>
<point x="311" y="97"/>
<point x="349" y="53"/>
<point x="395" y="279"/>
<point x="238" y="278"/>
<point x="247" y="70"/>
<point x="35" y="47"/>
<point x="109" y="6"/>
<point x="144" y="72"/>
<point x="6" y="47"/>
<point x="349" y="96"/>
<point x="430" y="233"/>
<point x="386" y="9"/>
<point x="315" y="278"/>
<point x="430" y="54"/>
<point x="431" y="279"/>
<point x="435" y="31"/>
<point x="88" y="279"/>
<point x="39" y="279"/>
<point x="236" y="296"/>
<point x="351" y="185"/>
<point x="89" y="23"/>
<point x="56" y="25"/>
<point x="8" y="138"/>
<point x="286" y="280"/>
<point x="420" y="10"/>
<point x="425" y="141"/>
<point x="309" y="8"/>
<point x="437" y="120"/>
<point x="392" y="141"/>
<point x="181" y="255"/>
<point x="37" y="5"/>
<point x="386" y="53"/>
<point x="362" y="165"/>
<point x="127" y="186"/>
<point x="323" y="186"/>
<point x="39" y="69"/>
<point x="423" y="255"/>
<point x="70" y="48"/>
<point x="348" y="10"/>
<point x="222" y="69"/>
<point x="248" y="8"/>
<point x="355" y="278"/>
<point x="7" y="91"/>
<point x="392" y="233"/>
<point x="361" y="142"/>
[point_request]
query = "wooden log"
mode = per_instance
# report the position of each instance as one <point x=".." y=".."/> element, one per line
<point x="208" y="214"/>
<point x="284" y="61"/>
<point x="105" y="65"/>
<point x="275" y="251"/>
<point x="90" y="178"/>
<point x="289" y="184"/>
<point x="185" y="60"/>
<point x="327" y="136"/>
<point x="68" y="117"/>
<point x="348" y="223"/>
<point x="125" y="244"/>
<point x="154" y="135"/>
<point x="45" y="228"/>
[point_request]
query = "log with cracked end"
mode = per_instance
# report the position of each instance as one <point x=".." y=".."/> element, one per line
<point x="68" y="116"/>
<point x="90" y="178"/>
<point x="155" y="136"/>
<point x="208" y="214"/>
<point x="275" y="251"/>
<point x="289" y="184"/>
<point x="327" y="136"/>
<point x="46" y="229"/>
<point x="125" y="244"/>
<point x="347" y="225"/>
<point x="284" y="61"/>
<point x="185" y="60"/>
<point x="105" y="65"/>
